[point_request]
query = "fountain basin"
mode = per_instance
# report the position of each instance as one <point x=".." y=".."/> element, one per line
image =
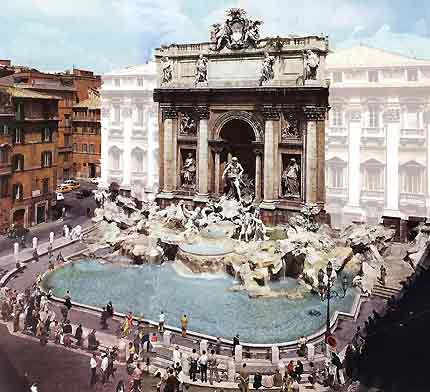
<point x="210" y="304"/>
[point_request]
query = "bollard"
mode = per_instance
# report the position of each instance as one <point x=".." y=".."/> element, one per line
<point x="203" y="346"/>
<point x="275" y="355"/>
<point x="281" y="367"/>
<point x="16" y="249"/>
<point x="185" y="364"/>
<point x="122" y="349"/>
<point x="167" y="338"/>
<point x="34" y="242"/>
<point x="231" y="370"/>
<point x="310" y="349"/>
<point x="51" y="237"/>
<point x="238" y="353"/>
<point x="21" y="322"/>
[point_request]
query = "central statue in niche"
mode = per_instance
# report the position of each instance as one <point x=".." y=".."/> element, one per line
<point x="233" y="174"/>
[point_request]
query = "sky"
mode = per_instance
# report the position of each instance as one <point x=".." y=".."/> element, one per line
<point x="105" y="35"/>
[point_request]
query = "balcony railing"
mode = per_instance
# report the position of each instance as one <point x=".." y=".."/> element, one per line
<point x="337" y="193"/>
<point x="373" y="133"/>
<point x="412" y="135"/>
<point x="376" y="195"/>
<point x="67" y="148"/>
<point x="337" y="131"/>
<point x="412" y="199"/>
<point x="5" y="169"/>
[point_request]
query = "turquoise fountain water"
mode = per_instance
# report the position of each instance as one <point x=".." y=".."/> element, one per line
<point x="210" y="306"/>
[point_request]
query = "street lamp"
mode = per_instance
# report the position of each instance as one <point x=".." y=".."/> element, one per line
<point x="325" y="285"/>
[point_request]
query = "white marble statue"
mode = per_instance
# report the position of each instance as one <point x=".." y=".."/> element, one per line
<point x="167" y="70"/>
<point x="312" y="63"/>
<point x="201" y="70"/>
<point x="233" y="173"/>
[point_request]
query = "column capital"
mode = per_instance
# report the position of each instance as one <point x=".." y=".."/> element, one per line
<point x="391" y="115"/>
<point x="217" y="149"/>
<point x="270" y="112"/>
<point x="169" y="112"/>
<point x="202" y="111"/>
<point x="315" y="113"/>
<point x="258" y="151"/>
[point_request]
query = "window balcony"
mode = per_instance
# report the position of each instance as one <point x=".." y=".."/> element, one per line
<point x="408" y="199"/>
<point x="373" y="135"/>
<point x="373" y="195"/>
<point x="5" y="168"/>
<point x="334" y="193"/>
<point x="337" y="135"/>
<point x="412" y="136"/>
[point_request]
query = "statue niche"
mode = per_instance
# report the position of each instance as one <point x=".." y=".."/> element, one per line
<point x="188" y="171"/>
<point x="291" y="176"/>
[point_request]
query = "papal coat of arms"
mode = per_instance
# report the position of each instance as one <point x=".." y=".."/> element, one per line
<point x="237" y="31"/>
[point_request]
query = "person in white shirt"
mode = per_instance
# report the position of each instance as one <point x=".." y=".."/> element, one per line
<point x="161" y="321"/>
<point x="176" y="357"/>
<point x="93" y="366"/>
<point x="104" y="365"/>
<point x="203" y="363"/>
<point x="181" y="379"/>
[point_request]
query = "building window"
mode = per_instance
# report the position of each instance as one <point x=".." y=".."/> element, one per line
<point x="4" y="155"/>
<point x="336" y="178"/>
<point x="373" y="118"/>
<point x="140" y="82"/>
<point x="84" y="148"/>
<point x="18" y="162"/>
<point x="140" y="115"/>
<point x="45" y="185"/>
<point x="91" y="148"/>
<point x="18" y="136"/>
<point x="116" y="114"/>
<point x="4" y="187"/>
<point x="47" y="135"/>
<point x="75" y="147"/>
<point x="67" y="120"/>
<point x="5" y="130"/>
<point x="337" y="77"/>
<point x="117" y="82"/>
<point x="412" y="120"/>
<point x="412" y="75"/>
<point x="46" y="159"/>
<point x="19" y="111"/>
<point x="68" y="140"/>
<point x="412" y="178"/>
<point x="115" y="158"/>
<point x="373" y="179"/>
<point x="17" y="192"/>
<point x="373" y="76"/>
<point x="337" y="118"/>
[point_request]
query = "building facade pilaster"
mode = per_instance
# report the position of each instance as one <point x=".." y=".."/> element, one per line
<point x="169" y="164"/>
<point x="202" y="150"/>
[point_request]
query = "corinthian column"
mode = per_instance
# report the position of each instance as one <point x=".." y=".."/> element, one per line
<point x="169" y="161"/>
<point x="203" y="150"/>
<point x="217" y="164"/>
<point x="271" y="117"/>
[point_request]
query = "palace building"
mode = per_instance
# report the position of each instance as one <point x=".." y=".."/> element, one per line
<point x="263" y="101"/>
<point x="378" y="136"/>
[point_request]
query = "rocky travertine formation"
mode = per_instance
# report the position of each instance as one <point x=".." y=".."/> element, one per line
<point x="416" y="249"/>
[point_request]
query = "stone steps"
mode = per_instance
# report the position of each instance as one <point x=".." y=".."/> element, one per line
<point x="385" y="291"/>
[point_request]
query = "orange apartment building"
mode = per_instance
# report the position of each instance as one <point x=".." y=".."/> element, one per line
<point x="28" y="136"/>
<point x="86" y="136"/>
<point x="72" y="88"/>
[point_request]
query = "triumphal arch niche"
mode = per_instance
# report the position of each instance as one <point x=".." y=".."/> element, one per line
<point x="242" y="104"/>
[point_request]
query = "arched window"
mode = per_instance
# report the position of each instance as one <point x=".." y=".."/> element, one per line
<point x="17" y="192"/>
<point x="137" y="160"/>
<point x="18" y="162"/>
<point x="115" y="158"/>
<point x="46" y="159"/>
<point x="373" y="176"/>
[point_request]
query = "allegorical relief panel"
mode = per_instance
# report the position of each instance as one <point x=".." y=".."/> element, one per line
<point x="291" y="176"/>
<point x="188" y="125"/>
<point x="291" y="131"/>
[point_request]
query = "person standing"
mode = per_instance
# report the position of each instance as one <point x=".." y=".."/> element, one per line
<point x="78" y="335"/>
<point x="213" y="367"/>
<point x="171" y="382"/>
<point x="203" y="363"/>
<point x="104" y="367"/>
<point x="161" y="321"/>
<point x="176" y="356"/>
<point x="184" y="323"/>
<point x="109" y="309"/>
<point x="93" y="366"/>
<point x="235" y="343"/>
<point x="193" y="365"/>
<point x="137" y="377"/>
<point x="218" y="346"/>
<point x="244" y="378"/>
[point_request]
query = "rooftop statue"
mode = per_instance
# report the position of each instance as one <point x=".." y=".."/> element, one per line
<point x="236" y="32"/>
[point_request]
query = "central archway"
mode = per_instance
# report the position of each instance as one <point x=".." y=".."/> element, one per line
<point x="238" y="137"/>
